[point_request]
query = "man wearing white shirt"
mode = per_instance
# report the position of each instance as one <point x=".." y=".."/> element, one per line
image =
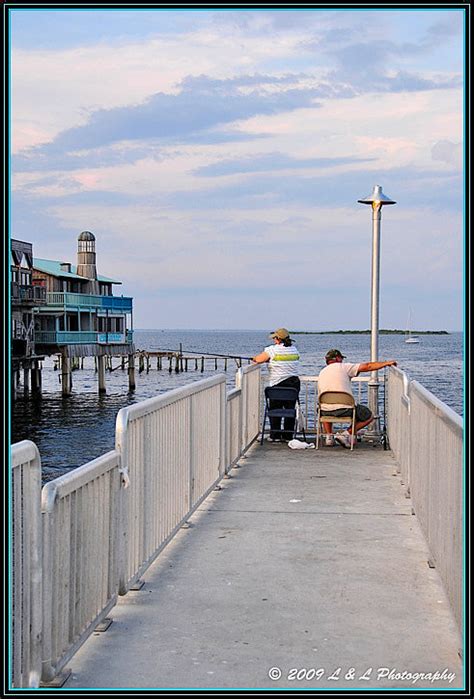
<point x="336" y="376"/>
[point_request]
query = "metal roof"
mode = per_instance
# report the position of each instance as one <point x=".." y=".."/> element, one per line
<point x="53" y="267"/>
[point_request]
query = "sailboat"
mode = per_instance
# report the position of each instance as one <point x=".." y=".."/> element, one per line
<point x="410" y="339"/>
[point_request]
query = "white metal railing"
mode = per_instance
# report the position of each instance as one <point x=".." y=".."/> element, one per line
<point x="173" y="451"/>
<point x="80" y="552"/>
<point x="398" y="416"/>
<point x="436" y="451"/>
<point x="103" y="523"/>
<point x="27" y="565"/>
<point x="248" y="380"/>
<point x="428" y="438"/>
<point x="234" y="427"/>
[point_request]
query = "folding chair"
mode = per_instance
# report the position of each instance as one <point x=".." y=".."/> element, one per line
<point x="337" y="398"/>
<point x="286" y="394"/>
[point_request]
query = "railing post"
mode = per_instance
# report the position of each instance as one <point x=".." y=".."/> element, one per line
<point x="121" y="445"/>
<point x="191" y="453"/>
<point x="48" y="497"/>
<point x="240" y="383"/>
<point x="223" y="437"/>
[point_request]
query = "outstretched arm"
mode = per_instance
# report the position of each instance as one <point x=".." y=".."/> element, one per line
<point x="261" y="358"/>
<point x="375" y="366"/>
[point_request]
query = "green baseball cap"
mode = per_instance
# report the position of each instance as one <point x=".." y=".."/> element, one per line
<point x="334" y="354"/>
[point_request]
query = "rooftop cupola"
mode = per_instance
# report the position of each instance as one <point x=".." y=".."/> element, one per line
<point x="86" y="264"/>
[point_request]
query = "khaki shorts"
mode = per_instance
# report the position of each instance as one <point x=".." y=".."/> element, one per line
<point x="362" y="413"/>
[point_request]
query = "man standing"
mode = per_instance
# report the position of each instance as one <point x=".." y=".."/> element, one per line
<point x="336" y="376"/>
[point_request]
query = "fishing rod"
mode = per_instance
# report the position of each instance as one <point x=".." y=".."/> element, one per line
<point x="207" y="354"/>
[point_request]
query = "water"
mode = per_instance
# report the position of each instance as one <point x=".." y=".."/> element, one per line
<point x="72" y="430"/>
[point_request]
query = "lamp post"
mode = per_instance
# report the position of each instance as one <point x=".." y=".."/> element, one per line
<point x="377" y="199"/>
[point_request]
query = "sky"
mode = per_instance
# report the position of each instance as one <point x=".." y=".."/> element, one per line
<point x="218" y="157"/>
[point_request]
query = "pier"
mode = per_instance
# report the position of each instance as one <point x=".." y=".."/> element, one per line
<point x="222" y="563"/>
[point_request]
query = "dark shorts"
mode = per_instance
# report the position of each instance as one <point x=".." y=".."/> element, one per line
<point x="362" y="413"/>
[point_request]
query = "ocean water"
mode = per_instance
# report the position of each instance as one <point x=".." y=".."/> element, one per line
<point x="69" y="431"/>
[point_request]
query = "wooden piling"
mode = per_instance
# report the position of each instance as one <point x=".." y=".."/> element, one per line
<point x="131" y="372"/>
<point x="147" y="363"/>
<point x="36" y="377"/>
<point x="202" y="364"/>
<point x="66" y="376"/>
<point x="101" y="360"/>
<point x="123" y="363"/>
<point x="26" y="379"/>
<point x="225" y="364"/>
<point x="170" y="360"/>
<point x="195" y="364"/>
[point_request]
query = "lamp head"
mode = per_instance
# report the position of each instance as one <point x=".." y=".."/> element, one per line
<point x="377" y="197"/>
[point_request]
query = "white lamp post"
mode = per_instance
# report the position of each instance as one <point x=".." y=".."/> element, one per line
<point x="377" y="199"/>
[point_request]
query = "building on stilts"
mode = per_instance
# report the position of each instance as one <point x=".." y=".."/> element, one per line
<point x="79" y="315"/>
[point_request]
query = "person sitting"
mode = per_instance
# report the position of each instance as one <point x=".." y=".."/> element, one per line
<point x="336" y="376"/>
<point x="283" y="366"/>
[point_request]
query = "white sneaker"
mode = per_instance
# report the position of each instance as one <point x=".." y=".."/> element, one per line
<point x="345" y="439"/>
<point x="329" y="440"/>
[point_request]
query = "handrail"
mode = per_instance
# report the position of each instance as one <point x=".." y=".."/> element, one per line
<point x="71" y="298"/>
<point x="26" y="543"/>
<point x="175" y="444"/>
<point x="427" y="439"/>
<point x="80" y="527"/>
<point x="119" y="511"/>
<point x="248" y="379"/>
<point x="103" y="523"/>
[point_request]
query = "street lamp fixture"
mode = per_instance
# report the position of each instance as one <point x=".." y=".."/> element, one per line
<point x="377" y="199"/>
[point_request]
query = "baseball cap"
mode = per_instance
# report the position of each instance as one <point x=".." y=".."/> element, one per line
<point x="281" y="334"/>
<point x="334" y="354"/>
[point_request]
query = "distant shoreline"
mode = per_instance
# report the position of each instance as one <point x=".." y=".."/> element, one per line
<point x="367" y="332"/>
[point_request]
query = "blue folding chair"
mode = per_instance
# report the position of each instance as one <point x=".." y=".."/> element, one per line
<point x="288" y="398"/>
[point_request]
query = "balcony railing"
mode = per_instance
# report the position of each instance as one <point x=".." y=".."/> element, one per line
<point x="21" y="293"/>
<point x="65" y="299"/>
<point x="81" y="337"/>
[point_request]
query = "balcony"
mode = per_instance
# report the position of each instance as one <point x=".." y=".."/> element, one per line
<point x="22" y="294"/>
<point x="82" y="337"/>
<point x="65" y="299"/>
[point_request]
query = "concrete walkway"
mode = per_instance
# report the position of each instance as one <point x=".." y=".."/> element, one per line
<point x="305" y="561"/>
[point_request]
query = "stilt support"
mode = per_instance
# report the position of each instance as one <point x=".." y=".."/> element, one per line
<point x="101" y="372"/>
<point x="131" y="372"/>
<point x="66" y="376"/>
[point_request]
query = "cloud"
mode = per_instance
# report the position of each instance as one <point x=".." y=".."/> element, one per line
<point x="380" y="64"/>
<point x="448" y="152"/>
<point x="212" y="154"/>
<point x="271" y="162"/>
<point x="202" y="105"/>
